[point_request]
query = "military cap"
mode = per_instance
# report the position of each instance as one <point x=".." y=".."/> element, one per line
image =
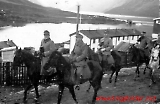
<point x="46" y="32"/>
<point x="143" y="32"/>
<point x="79" y="36"/>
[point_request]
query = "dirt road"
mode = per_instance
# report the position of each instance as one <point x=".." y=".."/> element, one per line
<point x="126" y="91"/>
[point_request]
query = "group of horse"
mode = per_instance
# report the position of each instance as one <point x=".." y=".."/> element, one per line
<point x="65" y="69"/>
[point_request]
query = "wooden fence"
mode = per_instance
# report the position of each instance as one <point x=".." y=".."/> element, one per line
<point x="8" y="76"/>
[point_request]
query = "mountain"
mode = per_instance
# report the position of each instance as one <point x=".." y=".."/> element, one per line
<point x="145" y="8"/>
<point x="22" y="11"/>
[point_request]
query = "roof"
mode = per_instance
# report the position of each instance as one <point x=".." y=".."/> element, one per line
<point x="156" y="18"/>
<point x="66" y="42"/>
<point x="9" y="43"/>
<point x="123" y="46"/>
<point x="93" y="34"/>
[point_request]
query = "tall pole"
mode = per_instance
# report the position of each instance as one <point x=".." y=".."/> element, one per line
<point x="78" y="16"/>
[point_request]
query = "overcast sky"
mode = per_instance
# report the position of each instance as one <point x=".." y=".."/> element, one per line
<point x="85" y="5"/>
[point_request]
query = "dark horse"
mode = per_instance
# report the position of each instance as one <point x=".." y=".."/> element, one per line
<point x="98" y="57"/>
<point x="33" y="65"/>
<point x="67" y="77"/>
<point x="138" y="58"/>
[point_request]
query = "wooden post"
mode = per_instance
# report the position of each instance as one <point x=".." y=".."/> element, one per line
<point x="8" y="74"/>
<point x="78" y="16"/>
<point x="0" y="74"/>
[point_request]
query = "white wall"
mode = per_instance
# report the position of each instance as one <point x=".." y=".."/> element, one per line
<point x="95" y="45"/>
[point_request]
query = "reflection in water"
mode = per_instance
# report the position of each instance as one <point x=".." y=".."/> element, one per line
<point x="31" y="34"/>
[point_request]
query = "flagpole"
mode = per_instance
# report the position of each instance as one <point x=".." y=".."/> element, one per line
<point x="78" y="16"/>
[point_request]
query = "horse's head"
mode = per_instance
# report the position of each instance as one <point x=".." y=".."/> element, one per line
<point x="18" y="57"/>
<point x="132" y="48"/>
<point x="54" y="60"/>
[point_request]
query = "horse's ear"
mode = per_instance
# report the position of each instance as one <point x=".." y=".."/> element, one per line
<point x="20" y="49"/>
<point x="16" y="48"/>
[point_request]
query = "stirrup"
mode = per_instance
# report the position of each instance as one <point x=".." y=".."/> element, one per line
<point x="77" y="87"/>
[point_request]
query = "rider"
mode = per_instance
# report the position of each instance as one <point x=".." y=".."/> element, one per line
<point x="46" y="48"/>
<point x="106" y="48"/>
<point x="79" y="55"/>
<point x="144" y="44"/>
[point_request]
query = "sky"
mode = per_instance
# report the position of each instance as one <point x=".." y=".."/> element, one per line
<point x="71" y="5"/>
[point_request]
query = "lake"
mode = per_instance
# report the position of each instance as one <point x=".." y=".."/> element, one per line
<point x="31" y="35"/>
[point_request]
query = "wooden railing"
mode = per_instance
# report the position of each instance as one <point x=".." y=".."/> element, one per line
<point x="18" y="76"/>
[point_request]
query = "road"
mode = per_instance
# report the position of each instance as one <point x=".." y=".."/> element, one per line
<point x="126" y="91"/>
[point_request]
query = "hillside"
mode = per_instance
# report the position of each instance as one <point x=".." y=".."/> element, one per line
<point x="21" y="12"/>
<point x="145" y="8"/>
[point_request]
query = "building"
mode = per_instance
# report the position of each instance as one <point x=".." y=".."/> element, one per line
<point x="7" y="49"/>
<point x="92" y="37"/>
<point x="156" y="27"/>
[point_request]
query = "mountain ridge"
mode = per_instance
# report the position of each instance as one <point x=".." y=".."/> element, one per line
<point x="145" y="8"/>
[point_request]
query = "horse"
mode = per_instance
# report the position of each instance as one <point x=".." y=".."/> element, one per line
<point x="67" y="75"/>
<point x="154" y="63"/>
<point x="138" y="58"/>
<point x="146" y="44"/>
<point x="33" y="64"/>
<point x="98" y="57"/>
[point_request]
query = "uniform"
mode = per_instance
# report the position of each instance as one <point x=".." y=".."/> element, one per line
<point x="78" y="56"/>
<point x="106" y="50"/>
<point x="49" y="47"/>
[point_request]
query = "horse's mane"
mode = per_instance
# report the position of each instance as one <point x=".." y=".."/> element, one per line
<point x="28" y="54"/>
<point x="64" y="60"/>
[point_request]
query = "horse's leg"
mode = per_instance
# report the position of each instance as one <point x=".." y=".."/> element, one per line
<point x="25" y="92"/>
<point x="96" y="87"/>
<point x="147" y="63"/>
<point x="117" y="70"/>
<point x="36" y="90"/>
<point x="136" y="72"/>
<point x="113" y="71"/>
<point x="61" y="89"/>
<point x="71" y="89"/>
<point x="151" y="77"/>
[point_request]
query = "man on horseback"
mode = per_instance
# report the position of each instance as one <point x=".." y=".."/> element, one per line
<point x="106" y="47"/>
<point x="79" y="56"/>
<point x="144" y="44"/>
<point x="46" y="48"/>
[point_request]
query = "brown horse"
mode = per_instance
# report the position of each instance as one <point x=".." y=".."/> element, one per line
<point x="67" y="75"/>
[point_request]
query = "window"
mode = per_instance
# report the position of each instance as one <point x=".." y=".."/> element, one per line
<point x="157" y="21"/>
<point x="94" y="40"/>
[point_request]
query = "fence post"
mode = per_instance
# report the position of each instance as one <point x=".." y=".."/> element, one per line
<point x="0" y="73"/>
<point x="8" y="74"/>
